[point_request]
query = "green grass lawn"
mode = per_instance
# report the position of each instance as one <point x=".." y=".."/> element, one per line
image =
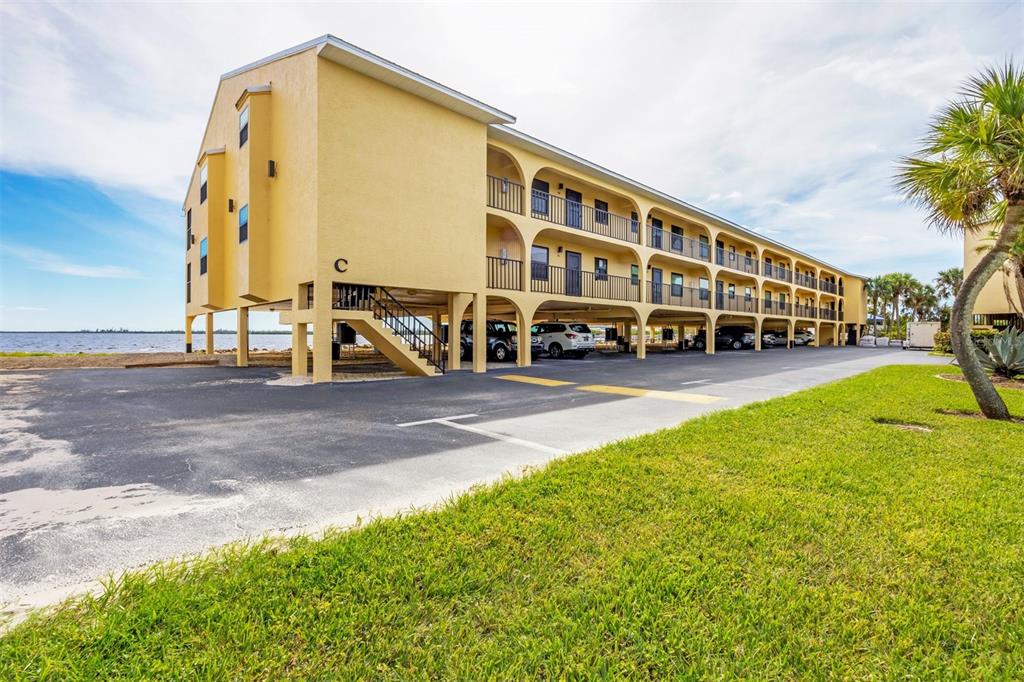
<point x="800" y="537"/>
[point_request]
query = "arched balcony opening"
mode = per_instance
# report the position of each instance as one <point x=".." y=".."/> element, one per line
<point x="667" y="232"/>
<point x="506" y="254"/>
<point x="777" y="265"/>
<point x="577" y="266"/>
<point x="557" y="197"/>
<point x="736" y="253"/>
<point x="805" y="275"/>
<point x="678" y="284"/>
<point x="505" y="187"/>
<point x="777" y="298"/>
<point x="736" y="293"/>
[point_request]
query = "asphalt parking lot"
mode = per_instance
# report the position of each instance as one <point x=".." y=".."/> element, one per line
<point x="104" y="470"/>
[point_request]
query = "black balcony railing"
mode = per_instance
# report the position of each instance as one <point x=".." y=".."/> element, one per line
<point x="807" y="311"/>
<point x="678" y="295"/>
<point x="770" y="307"/>
<point x="825" y="285"/>
<point x="552" y="279"/>
<point x="659" y="238"/>
<point x="777" y="272"/>
<point x="504" y="194"/>
<point x="504" y="273"/>
<point x="827" y="314"/>
<point x="735" y="261"/>
<point x="554" y="209"/>
<point x="734" y="303"/>
<point x="806" y="281"/>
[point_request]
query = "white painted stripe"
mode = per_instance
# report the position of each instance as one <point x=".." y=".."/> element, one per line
<point x="695" y="381"/>
<point x="501" y="436"/>
<point x="437" y="420"/>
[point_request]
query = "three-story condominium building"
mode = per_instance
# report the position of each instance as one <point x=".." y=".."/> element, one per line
<point x="335" y="186"/>
<point x="999" y="303"/>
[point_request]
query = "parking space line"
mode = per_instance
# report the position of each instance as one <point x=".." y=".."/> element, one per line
<point x="695" y="381"/>
<point x="539" y="381"/>
<point x="650" y="393"/>
<point x="449" y="421"/>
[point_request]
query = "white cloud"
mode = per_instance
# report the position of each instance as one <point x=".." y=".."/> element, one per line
<point x="787" y="118"/>
<point x="47" y="261"/>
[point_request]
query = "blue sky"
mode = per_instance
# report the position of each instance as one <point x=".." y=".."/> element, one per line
<point x="785" y="118"/>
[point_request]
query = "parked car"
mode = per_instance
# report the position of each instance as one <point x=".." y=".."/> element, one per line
<point x="729" y="336"/>
<point x="500" y="340"/>
<point x="769" y="340"/>
<point x="536" y="344"/>
<point x="802" y="338"/>
<point x="568" y="339"/>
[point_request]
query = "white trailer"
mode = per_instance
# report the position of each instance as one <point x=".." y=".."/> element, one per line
<point x="922" y="334"/>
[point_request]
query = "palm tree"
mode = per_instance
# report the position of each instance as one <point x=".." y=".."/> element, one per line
<point x="969" y="173"/>
<point x="900" y="283"/>
<point x="947" y="284"/>
<point x="874" y="290"/>
<point x="922" y="301"/>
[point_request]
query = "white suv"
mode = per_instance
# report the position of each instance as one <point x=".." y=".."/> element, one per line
<point x="568" y="339"/>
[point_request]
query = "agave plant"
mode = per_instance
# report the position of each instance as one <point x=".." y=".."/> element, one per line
<point x="1004" y="353"/>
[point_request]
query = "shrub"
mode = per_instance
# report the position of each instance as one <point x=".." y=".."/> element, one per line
<point x="1003" y="354"/>
<point x="944" y="344"/>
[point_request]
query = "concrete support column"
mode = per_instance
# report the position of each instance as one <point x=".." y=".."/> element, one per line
<point x="300" y="331"/>
<point x="757" y="334"/>
<point x="641" y="339"/>
<point x="479" y="333"/>
<point x="523" y="324"/>
<point x="856" y="334"/>
<point x="188" y="332"/>
<point x="209" y="333"/>
<point x="792" y="333"/>
<point x="835" y="335"/>
<point x="242" y="352"/>
<point x="457" y="304"/>
<point x="323" y="328"/>
<point x="709" y="337"/>
<point x="435" y="326"/>
<point x="817" y="334"/>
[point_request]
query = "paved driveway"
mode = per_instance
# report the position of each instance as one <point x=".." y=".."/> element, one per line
<point x="103" y="470"/>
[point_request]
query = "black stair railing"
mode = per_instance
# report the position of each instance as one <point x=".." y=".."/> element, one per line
<point x="395" y="316"/>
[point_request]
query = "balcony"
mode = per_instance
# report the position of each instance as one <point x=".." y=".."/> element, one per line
<point x="734" y="261"/>
<point x="826" y="286"/>
<point x="678" y="295"/>
<point x="806" y="281"/>
<point x="554" y="209"/>
<point x="504" y="194"/>
<point x="807" y="311"/>
<point x="658" y="238"/>
<point x="504" y="273"/>
<point x="841" y="290"/>
<point x="827" y="314"/>
<point x="778" y="272"/>
<point x="777" y="308"/>
<point x="736" y="304"/>
<point x="559" y="281"/>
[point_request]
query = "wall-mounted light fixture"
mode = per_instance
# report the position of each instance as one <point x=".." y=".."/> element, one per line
<point x="561" y="186"/>
<point x="231" y="205"/>
<point x="559" y="249"/>
<point x="271" y="168"/>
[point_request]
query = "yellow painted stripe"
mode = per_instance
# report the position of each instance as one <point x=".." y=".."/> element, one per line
<point x="648" y="393"/>
<point x="539" y="381"/>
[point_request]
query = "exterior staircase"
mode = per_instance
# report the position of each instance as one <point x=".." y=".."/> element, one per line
<point x="401" y="336"/>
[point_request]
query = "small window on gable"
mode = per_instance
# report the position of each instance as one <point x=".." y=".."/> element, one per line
<point x="202" y="184"/>
<point x="243" y="126"/>
<point x="202" y="257"/>
<point x="243" y="223"/>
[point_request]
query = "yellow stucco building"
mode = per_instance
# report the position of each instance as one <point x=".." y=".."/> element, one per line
<point x="335" y="186"/>
<point x="999" y="303"/>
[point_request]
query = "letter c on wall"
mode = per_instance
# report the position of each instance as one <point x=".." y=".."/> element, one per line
<point x="341" y="265"/>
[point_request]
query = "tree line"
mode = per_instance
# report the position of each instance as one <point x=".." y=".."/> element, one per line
<point x="898" y="298"/>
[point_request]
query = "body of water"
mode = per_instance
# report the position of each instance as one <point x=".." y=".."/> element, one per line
<point x="128" y="342"/>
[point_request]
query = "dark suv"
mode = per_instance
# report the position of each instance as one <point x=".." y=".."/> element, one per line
<point x="501" y="341"/>
<point x="729" y="336"/>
